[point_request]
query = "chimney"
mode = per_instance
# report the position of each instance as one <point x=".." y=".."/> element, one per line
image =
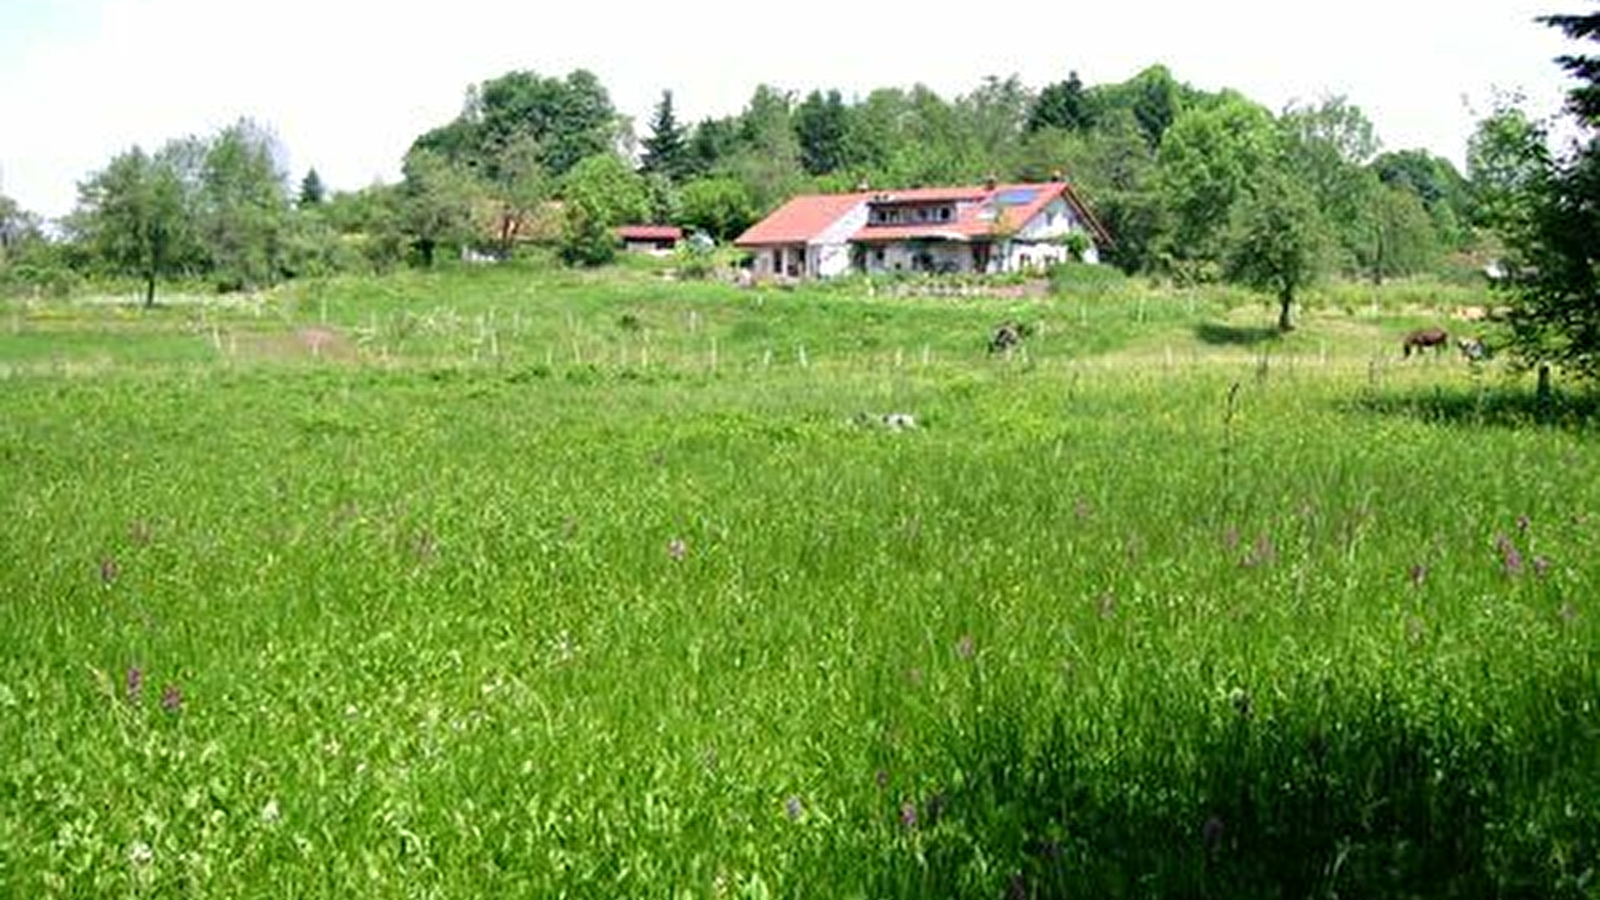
<point x="1057" y="175"/>
<point x="991" y="183"/>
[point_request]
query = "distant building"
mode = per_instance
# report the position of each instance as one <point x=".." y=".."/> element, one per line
<point x="655" y="239"/>
<point x="985" y="229"/>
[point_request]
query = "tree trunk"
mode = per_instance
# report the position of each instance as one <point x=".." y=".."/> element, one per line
<point x="1285" y="300"/>
<point x="149" y="289"/>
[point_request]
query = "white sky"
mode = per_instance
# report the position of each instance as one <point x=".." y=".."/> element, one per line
<point x="347" y="84"/>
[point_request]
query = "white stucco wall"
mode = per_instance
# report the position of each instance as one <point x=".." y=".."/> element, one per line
<point x="829" y="253"/>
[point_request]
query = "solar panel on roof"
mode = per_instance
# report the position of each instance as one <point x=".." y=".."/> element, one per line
<point x="1017" y="196"/>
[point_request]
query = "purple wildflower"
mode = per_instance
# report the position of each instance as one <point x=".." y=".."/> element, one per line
<point x="109" y="570"/>
<point x="1017" y="889"/>
<point x="1212" y="832"/>
<point x="966" y="647"/>
<point x="882" y="778"/>
<point x="171" y="698"/>
<point x="1419" y="574"/>
<point x="1231" y="538"/>
<point x="1523" y="522"/>
<point x="792" y="808"/>
<point x="908" y="814"/>
<point x="1510" y="556"/>
<point x="134" y="683"/>
<point x="139" y="532"/>
<point x="677" y="548"/>
<point x="1541" y="566"/>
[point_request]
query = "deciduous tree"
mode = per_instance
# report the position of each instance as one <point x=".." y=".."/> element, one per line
<point x="135" y="215"/>
<point x="1277" y="240"/>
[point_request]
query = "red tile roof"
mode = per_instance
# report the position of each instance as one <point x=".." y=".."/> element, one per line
<point x="648" y="232"/>
<point x="800" y="220"/>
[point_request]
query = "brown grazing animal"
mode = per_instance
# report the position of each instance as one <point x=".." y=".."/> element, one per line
<point x="1437" y="338"/>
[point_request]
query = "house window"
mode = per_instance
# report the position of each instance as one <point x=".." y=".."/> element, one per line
<point x="877" y="255"/>
<point x="944" y="213"/>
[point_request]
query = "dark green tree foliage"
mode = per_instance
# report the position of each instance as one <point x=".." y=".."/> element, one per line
<point x="1584" y="99"/>
<point x="1551" y="223"/>
<point x="1444" y="192"/>
<point x="568" y="119"/>
<point x="666" y="150"/>
<point x="1064" y="105"/>
<point x="1277" y="243"/>
<point x="135" y="216"/>
<point x="719" y="206"/>
<point x="312" y="190"/>
<point x="243" y="208"/>
<point x="1153" y="96"/>
<point x="713" y="142"/>
<point x="822" y="124"/>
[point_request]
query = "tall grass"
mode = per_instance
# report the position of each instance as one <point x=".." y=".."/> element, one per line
<point x="599" y="628"/>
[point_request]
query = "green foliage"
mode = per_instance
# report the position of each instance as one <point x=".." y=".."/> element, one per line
<point x="243" y="207"/>
<point x="600" y="193"/>
<point x="721" y="207"/>
<point x="822" y="125"/>
<point x="1065" y="105"/>
<point x="1209" y="161"/>
<point x="439" y="205"/>
<point x="1277" y="240"/>
<point x="666" y="150"/>
<point x="137" y="215"/>
<point x="312" y="190"/>
<point x="567" y="119"/>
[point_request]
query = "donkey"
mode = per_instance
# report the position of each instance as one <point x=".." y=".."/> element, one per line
<point x="1422" y="338"/>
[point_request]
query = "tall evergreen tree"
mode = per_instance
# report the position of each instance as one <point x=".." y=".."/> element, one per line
<point x="822" y="123"/>
<point x="1553" y="231"/>
<point x="666" y="150"/>
<point x="1064" y="105"/>
<point x="312" y="190"/>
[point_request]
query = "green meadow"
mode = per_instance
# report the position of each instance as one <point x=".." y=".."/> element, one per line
<point x="524" y="582"/>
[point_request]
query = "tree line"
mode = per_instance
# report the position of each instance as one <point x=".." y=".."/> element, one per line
<point x="1194" y="185"/>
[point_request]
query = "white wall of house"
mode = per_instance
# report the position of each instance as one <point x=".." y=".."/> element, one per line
<point x="830" y="251"/>
<point x="1048" y="226"/>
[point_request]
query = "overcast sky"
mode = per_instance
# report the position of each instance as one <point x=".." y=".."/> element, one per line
<point x="347" y="84"/>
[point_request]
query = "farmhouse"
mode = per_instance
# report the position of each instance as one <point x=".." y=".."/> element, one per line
<point x="984" y="229"/>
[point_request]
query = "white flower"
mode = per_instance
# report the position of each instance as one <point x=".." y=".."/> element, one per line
<point x="270" y="813"/>
<point x="140" y="854"/>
